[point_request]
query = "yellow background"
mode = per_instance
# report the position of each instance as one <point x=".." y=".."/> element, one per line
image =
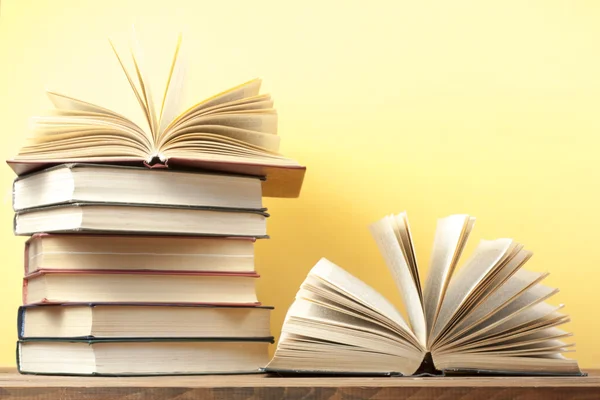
<point x="486" y="108"/>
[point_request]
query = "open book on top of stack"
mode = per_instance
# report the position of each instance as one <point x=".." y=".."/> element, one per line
<point x="488" y="317"/>
<point x="234" y="131"/>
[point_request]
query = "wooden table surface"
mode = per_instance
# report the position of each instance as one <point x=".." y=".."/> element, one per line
<point x="16" y="386"/>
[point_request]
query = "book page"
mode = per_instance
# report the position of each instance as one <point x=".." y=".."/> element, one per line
<point x="135" y="90"/>
<point x="316" y="291"/>
<point x="515" y="341"/>
<point x="514" y="260"/>
<point x="81" y="116"/>
<point x="259" y="102"/>
<point x="516" y="338"/>
<point x="487" y="255"/>
<point x="333" y="330"/>
<point x="516" y="285"/>
<point x="301" y="353"/>
<point x="526" y="308"/>
<point x="327" y="331"/>
<point x="132" y="83"/>
<point x="246" y="138"/>
<point x="387" y="239"/>
<point x="303" y="309"/>
<point x="65" y="137"/>
<point x="539" y="314"/>
<point x="451" y="235"/>
<point x="247" y="89"/>
<point x="522" y="303"/>
<point x="402" y="230"/>
<point x="265" y="105"/>
<point x="319" y="291"/>
<point x="254" y="121"/>
<point x="64" y="102"/>
<point x="138" y="61"/>
<point x="173" y="96"/>
<point x="225" y="139"/>
<point x="260" y="122"/>
<point x="357" y="290"/>
<point x="543" y="324"/>
<point x="54" y="126"/>
<point x="188" y="157"/>
<point x="85" y="151"/>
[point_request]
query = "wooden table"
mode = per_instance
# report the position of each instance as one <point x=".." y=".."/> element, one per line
<point x="16" y="386"/>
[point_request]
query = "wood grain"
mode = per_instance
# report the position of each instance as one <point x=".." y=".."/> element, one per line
<point x="252" y="387"/>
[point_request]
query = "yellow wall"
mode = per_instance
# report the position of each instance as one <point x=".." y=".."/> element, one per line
<point x="487" y="108"/>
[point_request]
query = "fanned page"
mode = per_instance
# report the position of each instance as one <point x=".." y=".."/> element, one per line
<point x="171" y="103"/>
<point x="487" y="255"/>
<point x="141" y="101"/>
<point x="346" y="327"/>
<point x="393" y="238"/>
<point x="138" y="61"/>
<point x="451" y="236"/>
<point x="233" y="131"/>
<point x="489" y="317"/>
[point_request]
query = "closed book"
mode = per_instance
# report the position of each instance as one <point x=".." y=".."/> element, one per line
<point x="279" y="180"/>
<point x="142" y="320"/>
<point x="155" y="356"/>
<point x="138" y="253"/>
<point x="80" y="286"/>
<point x="77" y="182"/>
<point x="141" y="219"/>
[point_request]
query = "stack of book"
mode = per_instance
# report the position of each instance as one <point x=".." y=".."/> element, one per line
<point x="135" y="270"/>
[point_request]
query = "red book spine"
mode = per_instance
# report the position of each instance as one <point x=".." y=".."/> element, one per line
<point x="26" y="255"/>
<point x="40" y="272"/>
<point x="24" y="297"/>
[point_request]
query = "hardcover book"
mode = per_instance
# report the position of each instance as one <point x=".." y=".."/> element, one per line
<point x="154" y="356"/>
<point x="101" y="183"/>
<point x="121" y="218"/>
<point x="82" y="286"/>
<point x="142" y="320"/>
<point x="490" y="316"/>
<point x="67" y="252"/>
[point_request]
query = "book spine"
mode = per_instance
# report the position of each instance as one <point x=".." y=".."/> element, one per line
<point x="26" y="255"/>
<point x="41" y="272"/>
<point x="18" y="356"/>
<point x="159" y="164"/>
<point x="21" y="322"/>
<point x="13" y="194"/>
<point x="24" y="296"/>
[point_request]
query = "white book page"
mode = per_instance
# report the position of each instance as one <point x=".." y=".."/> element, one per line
<point x="134" y="87"/>
<point x="528" y="307"/>
<point x="144" y="81"/>
<point x="487" y="255"/>
<point x="357" y="290"/>
<point x="388" y="241"/>
<point x="236" y="94"/>
<point x="64" y="102"/>
<point x="173" y="96"/>
<point x="516" y="285"/>
<point x="450" y="238"/>
<point x="402" y="229"/>
<point x="304" y="309"/>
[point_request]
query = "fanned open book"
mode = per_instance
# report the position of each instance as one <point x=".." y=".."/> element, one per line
<point x="490" y="316"/>
<point x="233" y="131"/>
